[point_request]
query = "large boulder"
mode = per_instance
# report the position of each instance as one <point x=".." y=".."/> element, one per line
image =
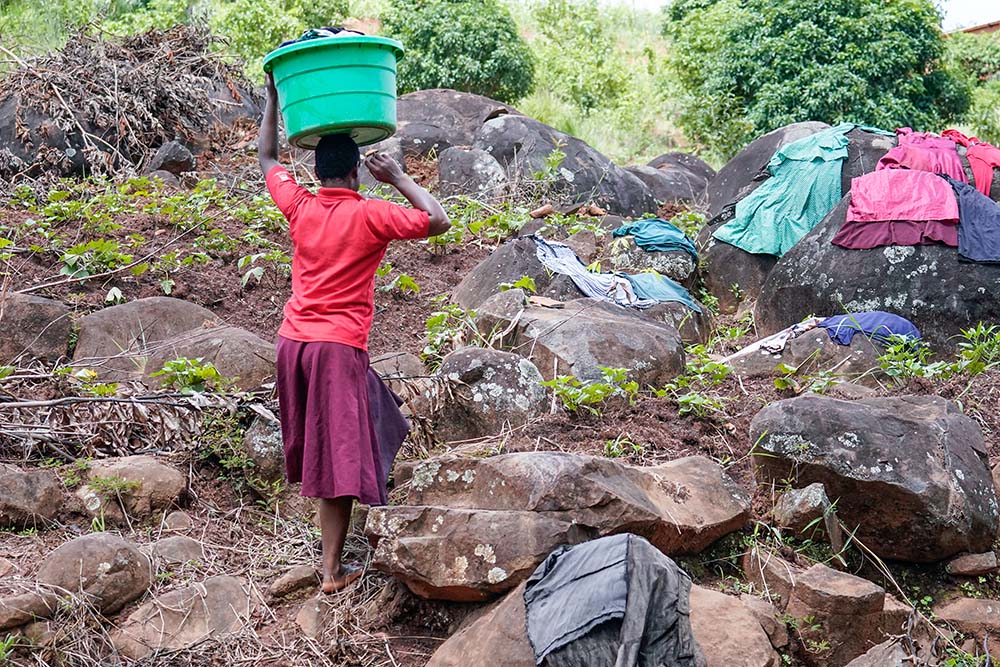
<point x="677" y="161"/>
<point x="732" y="180"/>
<point x="678" y="265"/>
<point x="449" y="541"/>
<point x="472" y="172"/>
<point x="670" y="184"/>
<point x="926" y="284"/>
<point x="30" y="497"/>
<point x="111" y="340"/>
<point x="34" y="327"/>
<point x="909" y="474"/>
<point x="238" y="355"/>
<point x="731" y="274"/>
<point x="436" y="119"/>
<point x="524" y="145"/>
<point x="864" y="150"/>
<point x="150" y="486"/>
<point x="180" y="619"/>
<point x="489" y="390"/>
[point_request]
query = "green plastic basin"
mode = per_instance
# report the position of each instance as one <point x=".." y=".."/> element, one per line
<point x="333" y="85"/>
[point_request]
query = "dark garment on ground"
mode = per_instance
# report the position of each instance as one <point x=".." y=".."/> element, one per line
<point x="330" y="441"/>
<point x="979" y="224"/>
<point x="615" y="601"/>
<point x="391" y="427"/>
<point x="876" y="324"/>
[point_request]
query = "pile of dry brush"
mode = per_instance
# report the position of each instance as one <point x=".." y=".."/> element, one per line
<point x="113" y="100"/>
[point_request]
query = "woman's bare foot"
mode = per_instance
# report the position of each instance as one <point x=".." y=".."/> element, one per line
<point x="332" y="583"/>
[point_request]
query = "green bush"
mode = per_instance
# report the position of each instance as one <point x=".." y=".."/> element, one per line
<point x="983" y="117"/>
<point x="467" y="45"/>
<point x="977" y="57"/>
<point x="744" y="67"/>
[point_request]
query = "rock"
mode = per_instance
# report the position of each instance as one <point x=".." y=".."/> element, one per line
<point x="391" y="147"/>
<point x="670" y="184"/>
<point x="887" y="654"/>
<point x="864" y="150"/>
<point x="177" y="550"/>
<point x="683" y="161"/>
<point x="491" y="390"/>
<point x="731" y="274"/>
<point x="844" y="615"/>
<point x="263" y="444"/>
<point x="159" y="486"/>
<point x="173" y="157"/>
<point x="500" y="631"/>
<point x="895" y="615"/>
<point x="908" y="472"/>
<point x="584" y="335"/>
<point x="523" y="145"/>
<point x="584" y="244"/>
<point x="450" y="538"/>
<point x="112" y="339"/>
<point x="182" y="618"/>
<point x="312" y="617"/>
<point x="973" y="565"/>
<point x="34" y="327"/>
<point x="463" y="555"/>
<point x="178" y="521"/>
<point x="680" y="266"/>
<point x="294" y="580"/>
<point x="770" y="576"/>
<point x="925" y="284"/>
<point x="29" y="498"/>
<point x="168" y="179"/>
<point x="694" y="328"/>
<point x="973" y="616"/>
<point x="7" y="568"/>
<point x="238" y="355"/>
<point x="472" y="172"/>
<point x="108" y="570"/>
<point x="809" y="513"/>
<point x="433" y="120"/>
<point x="19" y="610"/>
<point x="769" y="618"/>
<point x="729" y="633"/>
<point x="739" y="172"/>
<point x="811" y="353"/>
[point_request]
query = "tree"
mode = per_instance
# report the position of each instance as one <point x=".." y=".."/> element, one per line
<point x="745" y="67"/>
<point x="469" y="45"/>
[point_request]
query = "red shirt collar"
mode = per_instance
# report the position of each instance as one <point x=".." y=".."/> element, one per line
<point x="340" y="193"/>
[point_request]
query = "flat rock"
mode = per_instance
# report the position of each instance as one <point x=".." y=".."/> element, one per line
<point x="909" y="472"/>
<point x="34" y="327"/>
<point x="728" y="632"/>
<point x="300" y="577"/>
<point x="973" y="565"/>
<point x="160" y="486"/>
<point x="30" y="497"/>
<point x="182" y="618"/>
<point x="240" y="356"/>
<point x="973" y="616"/>
<point x="489" y="391"/>
<point x="887" y="654"/>
<point x="177" y="550"/>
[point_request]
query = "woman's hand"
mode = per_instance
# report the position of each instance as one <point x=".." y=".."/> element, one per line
<point x="272" y="92"/>
<point x="384" y="169"/>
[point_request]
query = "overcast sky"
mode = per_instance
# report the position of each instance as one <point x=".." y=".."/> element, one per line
<point x="957" y="13"/>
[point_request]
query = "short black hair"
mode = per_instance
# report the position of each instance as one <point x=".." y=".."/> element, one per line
<point x="336" y="156"/>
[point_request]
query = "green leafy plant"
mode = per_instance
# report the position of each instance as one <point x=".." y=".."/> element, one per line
<point x="446" y="329"/>
<point x="191" y="376"/>
<point x="621" y="446"/>
<point x="99" y="256"/>
<point x="7" y="645"/>
<point x="905" y="358"/>
<point x="574" y="394"/>
<point x="113" y="487"/>
<point x="979" y="349"/>
<point x="470" y="45"/>
<point x="526" y="283"/>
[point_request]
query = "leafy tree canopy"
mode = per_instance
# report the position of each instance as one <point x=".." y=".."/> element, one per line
<point x="745" y="67"/>
<point x="470" y="45"/>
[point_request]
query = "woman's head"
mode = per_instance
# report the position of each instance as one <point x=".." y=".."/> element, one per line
<point x="337" y="159"/>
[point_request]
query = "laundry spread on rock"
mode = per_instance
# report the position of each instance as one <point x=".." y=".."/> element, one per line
<point x="875" y="325"/>
<point x="643" y="290"/>
<point x="983" y="159"/>
<point x="804" y="187"/>
<point x="615" y="601"/>
<point x="657" y="235"/>
<point x="924" y="151"/>
<point x="899" y="207"/>
<point x="979" y="224"/>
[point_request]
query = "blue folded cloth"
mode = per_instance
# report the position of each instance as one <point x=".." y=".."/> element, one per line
<point x="657" y="235"/>
<point x="876" y="324"/>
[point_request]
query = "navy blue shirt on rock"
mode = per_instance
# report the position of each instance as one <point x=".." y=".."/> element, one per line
<point x="979" y="224"/>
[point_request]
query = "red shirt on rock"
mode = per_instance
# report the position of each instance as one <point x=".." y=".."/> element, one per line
<point x="339" y="239"/>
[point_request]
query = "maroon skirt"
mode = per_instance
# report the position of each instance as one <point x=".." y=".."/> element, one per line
<point x="330" y="441"/>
